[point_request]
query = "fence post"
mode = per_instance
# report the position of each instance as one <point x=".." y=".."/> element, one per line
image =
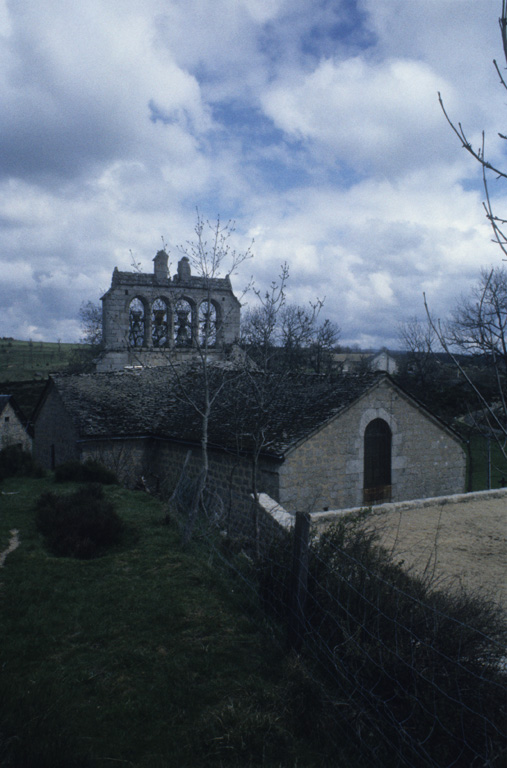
<point x="299" y="581"/>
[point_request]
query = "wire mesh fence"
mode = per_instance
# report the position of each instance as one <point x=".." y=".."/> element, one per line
<point x="412" y="674"/>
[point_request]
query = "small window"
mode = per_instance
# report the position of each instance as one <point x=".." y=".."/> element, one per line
<point x="6" y="419"/>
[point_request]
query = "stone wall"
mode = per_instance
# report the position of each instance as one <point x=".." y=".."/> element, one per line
<point x="170" y="317"/>
<point x="12" y="431"/>
<point x="129" y="458"/>
<point x="229" y="478"/>
<point x="160" y="463"/>
<point x="55" y="437"/>
<point x="326" y="471"/>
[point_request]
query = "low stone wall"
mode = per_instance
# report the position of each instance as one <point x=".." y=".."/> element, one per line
<point x="320" y="519"/>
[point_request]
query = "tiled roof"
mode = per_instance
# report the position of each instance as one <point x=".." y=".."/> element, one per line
<point x="249" y="410"/>
<point x="4" y="399"/>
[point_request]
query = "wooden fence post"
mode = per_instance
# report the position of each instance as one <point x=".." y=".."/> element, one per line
<point x="299" y="581"/>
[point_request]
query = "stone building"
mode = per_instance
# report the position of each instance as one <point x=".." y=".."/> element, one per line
<point x="317" y="443"/>
<point x="355" y="362"/>
<point x="13" y="425"/>
<point x="147" y="318"/>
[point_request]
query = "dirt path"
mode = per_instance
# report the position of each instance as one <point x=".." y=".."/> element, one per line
<point x="13" y="544"/>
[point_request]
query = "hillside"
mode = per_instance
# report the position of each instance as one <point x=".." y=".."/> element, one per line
<point x="26" y="365"/>
<point x="24" y="360"/>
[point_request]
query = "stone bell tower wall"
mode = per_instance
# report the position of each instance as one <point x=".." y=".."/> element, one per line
<point x="147" y="315"/>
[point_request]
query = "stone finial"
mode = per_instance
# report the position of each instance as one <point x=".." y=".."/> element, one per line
<point x="184" y="269"/>
<point x="160" y="261"/>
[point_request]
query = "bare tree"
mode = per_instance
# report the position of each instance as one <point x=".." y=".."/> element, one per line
<point x="298" y="331"/>
<point x="260" y="326"/>
<point x="493" y="410"/>
<point x="211" y="258"/>
<point x="325" y="341"/>
<point x="288" y="337"/>
<point x="478" y="325"/>
<point x="83" y="358"/>
<point x="420" y="342"/>
<point x="90" y="317"/>
<point x="498" y="223"/>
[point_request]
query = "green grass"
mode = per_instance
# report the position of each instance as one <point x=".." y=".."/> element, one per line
<point x="144" y="657"/>
<point x="22" y="360"/>
<point x="481" y="458"/>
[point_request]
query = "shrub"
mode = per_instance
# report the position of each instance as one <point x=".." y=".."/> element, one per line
<point x="422" y="670"/>
<point x="89" y="472"/>
<point x="82" y="524"/>
<point x="16" y="462"/>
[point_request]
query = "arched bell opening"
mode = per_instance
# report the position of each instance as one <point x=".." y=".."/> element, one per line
<point x="183" y="323"/>
<point x="159" y="323"/>
<point x="137" y="323"/>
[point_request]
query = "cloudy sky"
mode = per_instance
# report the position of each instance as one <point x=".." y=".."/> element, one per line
<point x="314" y="124"/>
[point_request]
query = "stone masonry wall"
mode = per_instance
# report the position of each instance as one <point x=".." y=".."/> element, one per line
<point x="229" y="477"/>
<point x="12" y="432"/>
<point x="55" y="437"/>
<point x="160" y="463"/>
<point x="160" y="290"/>
<point x="326" y="471"/>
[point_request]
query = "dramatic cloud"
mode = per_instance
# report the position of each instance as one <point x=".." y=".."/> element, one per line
<point x="315" y="126"/>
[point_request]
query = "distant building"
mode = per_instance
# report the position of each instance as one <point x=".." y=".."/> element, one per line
<point x="13" y="425"/>
<point x="354" y="362"/>
<point x="147" y="318"/>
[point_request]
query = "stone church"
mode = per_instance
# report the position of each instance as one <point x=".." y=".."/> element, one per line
<point x="148" y="317"/>
<point x="308" y="442"/>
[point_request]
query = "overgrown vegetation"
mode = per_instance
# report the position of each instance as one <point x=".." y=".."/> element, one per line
<point x="15" y="462"/>
<point x="147" y="657"/>
<point x="416" y="675"/>
<point x="82" y="524"/>
<point x="89" y="471"/>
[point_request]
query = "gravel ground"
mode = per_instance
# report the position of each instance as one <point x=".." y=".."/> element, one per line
<point x="462" y="539"/>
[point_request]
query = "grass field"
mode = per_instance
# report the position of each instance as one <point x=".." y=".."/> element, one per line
<point x="23" y="360"/>
<point x="489" y="467"/>
<point x="145" y="657"/>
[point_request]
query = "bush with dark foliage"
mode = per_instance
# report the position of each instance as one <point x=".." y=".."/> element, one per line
<point x="419" y="671"/>
<point x="82" y="524"/>
<point x="16" y="462"/>
<point x="89" y="472"/>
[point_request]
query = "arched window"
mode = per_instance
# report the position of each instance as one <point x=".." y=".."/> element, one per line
<point x="136" y="323"/>
<point x="377" y="462"/>
<point x="183" y="323"/>
<point x="207" y="324"/>
<point x="159" y="323"/>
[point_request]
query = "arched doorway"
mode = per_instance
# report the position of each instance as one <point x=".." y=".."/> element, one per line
<point x="377" y="462"/>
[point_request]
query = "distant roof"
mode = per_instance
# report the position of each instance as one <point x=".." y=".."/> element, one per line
<point x="166" y="403"/>
<point x="4" y="399"/>
<point x="9" y="399"/>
